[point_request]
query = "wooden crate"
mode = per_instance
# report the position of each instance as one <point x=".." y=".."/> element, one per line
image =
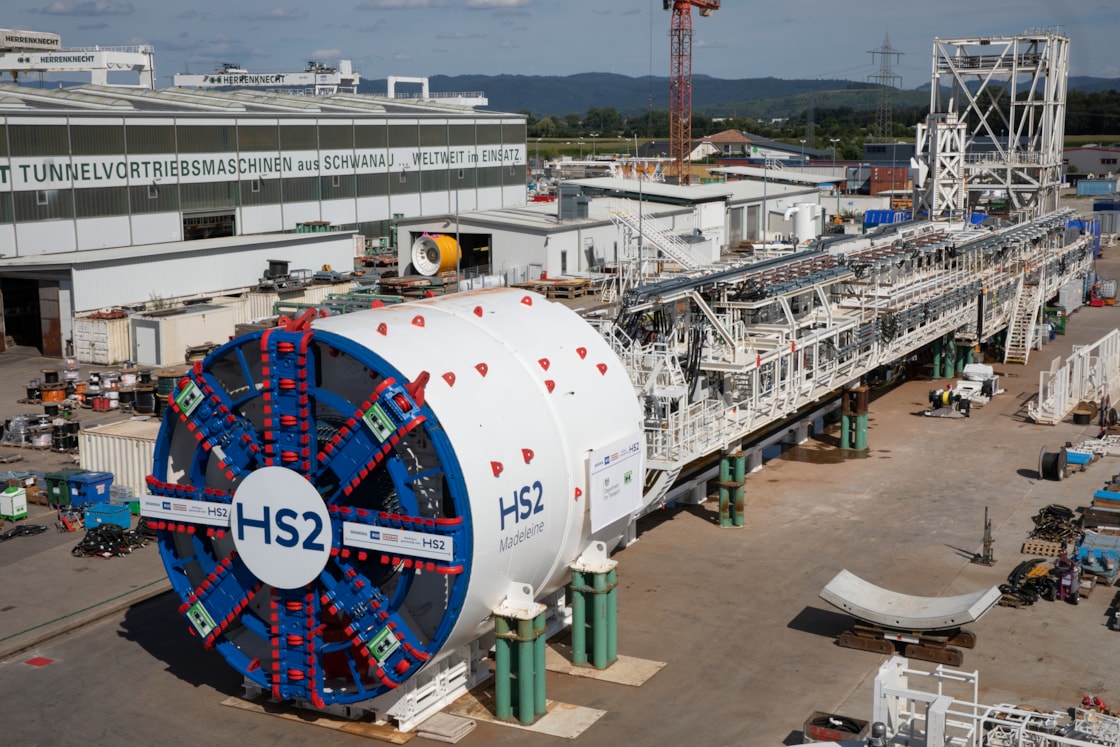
<point x="1045" y="548"/>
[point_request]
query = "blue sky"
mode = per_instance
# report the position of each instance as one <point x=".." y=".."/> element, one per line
<point x="745" y="38"/>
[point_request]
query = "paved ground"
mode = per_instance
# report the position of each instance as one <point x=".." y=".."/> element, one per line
<point x="735" y="613"/>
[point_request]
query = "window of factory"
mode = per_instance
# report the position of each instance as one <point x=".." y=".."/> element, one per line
<point x="434" y="181"/>
<point x="205" y="138"/>
<point x="258" y="138"/>
<point x="406" y="182"/>
<point x="464" y="179"/>
<point x="96" y="140"/>
<point x="491" y="177"/>
<point x="403" y="136"/>
<point x="147" y="139"/>
<point x="461" y="134"/>
<point x="373" y="185"/>
<point x="301" y="189"/>
<point x="369" y="136"/>
<point x="298" y="137"/>
<point x="208" y="195"/>
<point x="99" y="201"/>
<point x="490" y="134"/>
<point x="433" y="136"/>
<point x="154" y="198"/>
<point x="208" y="226"/>
<point x="513" y="134"/>
<point x="260" y="192"/>
<point x="1108" y="162"/>
<point x="6" y="207"/>
<point x="515" y="175"/>
<point x="39" y="140"/>
<point x="3" y="140"/>
<point x="336" y="137"/>
<point x="44" y="204"/>
<point x="336" y="186"/>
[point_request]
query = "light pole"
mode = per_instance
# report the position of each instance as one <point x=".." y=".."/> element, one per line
<point x="834" y="141"/>
<point x="803" y="151"/>
<point x="538" y="156"/>
<point x="594" y="140"/>
<point x="581" y="149"/>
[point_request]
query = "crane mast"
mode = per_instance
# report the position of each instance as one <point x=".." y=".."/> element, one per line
<point x="680" y="81"/>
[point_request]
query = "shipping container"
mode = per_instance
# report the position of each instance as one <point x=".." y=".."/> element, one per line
<point x="262" y="303"/>
<point x="161" y="338"/>
<point x="125" y="449"/>
<point x="1093" y="187"/>
<point x="103" y="339"/>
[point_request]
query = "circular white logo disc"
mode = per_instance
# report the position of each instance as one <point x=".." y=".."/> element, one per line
<point x="281" y="527"/>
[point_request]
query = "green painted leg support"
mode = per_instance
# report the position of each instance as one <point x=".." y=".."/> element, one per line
<point x="519" y="655"/>
<point x="612" y="616"/>
<point x="937" y="358"/>
<point x="739" y="503"/>
<point x="539" y="668"/>
<point x="861" y="432"/>
<point x="599" y="622"/>
<point x="526" y="691"/>
<point x="503" y="701"/>
<point x="579" y="620"/>
<point x="845" y="431"/>
<point x="602" y="620"/>
<point x="948" y="363"/>
<point x="724" y="496"/>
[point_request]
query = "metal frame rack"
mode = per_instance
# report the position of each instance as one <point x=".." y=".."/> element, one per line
<point x="719" y="358"/>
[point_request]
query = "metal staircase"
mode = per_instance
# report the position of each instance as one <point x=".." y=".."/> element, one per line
<point x="1023" y="326"/>
<point x="658" y="237"/>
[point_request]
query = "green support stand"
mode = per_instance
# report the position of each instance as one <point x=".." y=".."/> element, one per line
<point x="937" y="358"/>
<point x="732" y="490"/>
<point x="519" y="657"/>
<point x="948" y="359"/>
<point x="595" y="580"/>
<point x="853" y="418"/>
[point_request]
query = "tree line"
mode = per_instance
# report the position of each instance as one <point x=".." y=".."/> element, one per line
<point x="1096" y="113"/>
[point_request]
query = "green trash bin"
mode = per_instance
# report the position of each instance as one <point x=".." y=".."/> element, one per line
<point x="58" y="486"/>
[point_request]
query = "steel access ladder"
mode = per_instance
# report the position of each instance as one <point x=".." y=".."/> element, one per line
<point x="658" y="237"/>
<point x="1023" y="325"/>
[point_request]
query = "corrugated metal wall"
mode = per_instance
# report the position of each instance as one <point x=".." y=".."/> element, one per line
<point x="126" y="449"/>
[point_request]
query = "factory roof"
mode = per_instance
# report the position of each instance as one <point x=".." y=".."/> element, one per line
<point x="63" y="260"/>
<point x="777" y="175"/>
<point x="733" y="191"/>
<point x="120" y="99"/>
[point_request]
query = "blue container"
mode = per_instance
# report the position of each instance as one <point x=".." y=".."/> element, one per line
<point x="108" y="513"/>
<point x="90" y="487"/>
<point x="1092" y="187"/>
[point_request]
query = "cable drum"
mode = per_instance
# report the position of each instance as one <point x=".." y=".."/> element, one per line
<point x="342" y="502"/>
<point x="1052" y="465"/>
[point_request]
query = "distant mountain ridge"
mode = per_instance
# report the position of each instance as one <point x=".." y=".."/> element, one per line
<point x="553" y="95"/>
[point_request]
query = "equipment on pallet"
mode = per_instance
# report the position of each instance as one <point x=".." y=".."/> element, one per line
<point x="987" y="555"/>
<point x="343" y="502"/>
<point x="928" y="626"/>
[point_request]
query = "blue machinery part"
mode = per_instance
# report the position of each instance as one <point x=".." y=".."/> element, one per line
<point x="341" y="501"/>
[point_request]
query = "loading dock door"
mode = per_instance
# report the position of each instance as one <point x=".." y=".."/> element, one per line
<point x="49" y="319"/>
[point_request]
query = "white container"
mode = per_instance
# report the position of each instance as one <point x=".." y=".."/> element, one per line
<point x="13" y="503"/>
<point x="162" y="338"/>
<point x="125" y="448"/>
<point x="102" y="341"/>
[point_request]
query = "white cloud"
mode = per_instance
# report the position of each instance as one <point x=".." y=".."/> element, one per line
<point x="91" y="8"/>
<point x="461" y="35"/>
<point x="326" y="54"/>
<point x="499" y="3"/>
<point x="277" y="14"/>
<point x="402" y="4"/>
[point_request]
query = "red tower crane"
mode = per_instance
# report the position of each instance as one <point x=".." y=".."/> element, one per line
<point x="680" y="81"/>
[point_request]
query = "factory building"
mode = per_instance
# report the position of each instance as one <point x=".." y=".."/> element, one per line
<point x="116" y="196"/>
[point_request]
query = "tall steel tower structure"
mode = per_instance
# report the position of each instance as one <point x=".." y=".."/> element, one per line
<point x="680" y="81"/>
<point x="995" y="128"/>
